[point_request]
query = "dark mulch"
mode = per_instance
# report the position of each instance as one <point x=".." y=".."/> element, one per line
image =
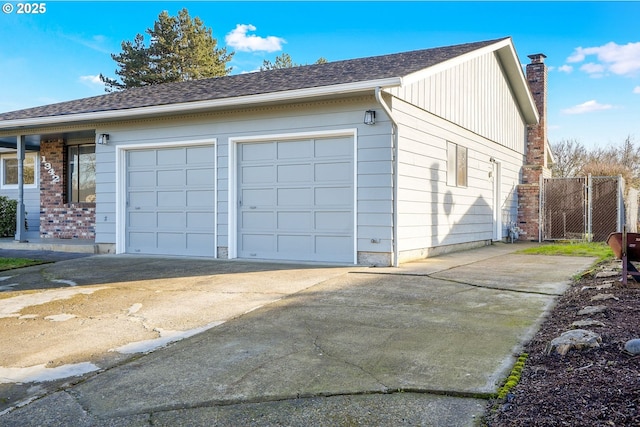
<point x="593" y="387"/>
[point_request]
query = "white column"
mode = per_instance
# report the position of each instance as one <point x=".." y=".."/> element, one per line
<point x="20" y="215"/>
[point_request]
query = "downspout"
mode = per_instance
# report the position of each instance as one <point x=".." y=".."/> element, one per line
<point x="394" y="174"/>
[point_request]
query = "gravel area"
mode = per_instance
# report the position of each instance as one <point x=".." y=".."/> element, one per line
<point x="593" y="386"/>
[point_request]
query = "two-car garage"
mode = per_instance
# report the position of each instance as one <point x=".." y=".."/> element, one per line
<point x="288" y="199"/>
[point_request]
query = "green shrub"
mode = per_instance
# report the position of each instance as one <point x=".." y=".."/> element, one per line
<point x="8" y="215"/>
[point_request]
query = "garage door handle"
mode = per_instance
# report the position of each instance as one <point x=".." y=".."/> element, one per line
<point x="253" y="207"/>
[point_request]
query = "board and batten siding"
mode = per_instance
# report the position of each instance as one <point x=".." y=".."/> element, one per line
<point x="374" y="157"/>
<point x="475" y="95"/>
<point x="433" y="214"/>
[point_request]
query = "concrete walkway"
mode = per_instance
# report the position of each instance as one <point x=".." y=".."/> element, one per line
<point x="417" y="345"/>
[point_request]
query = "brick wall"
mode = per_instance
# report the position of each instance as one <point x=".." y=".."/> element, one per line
<point x="536" y="159"/>
<point x="60" y="220"/>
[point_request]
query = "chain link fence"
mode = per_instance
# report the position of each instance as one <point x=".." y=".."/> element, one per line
<point x="586" y="208"/>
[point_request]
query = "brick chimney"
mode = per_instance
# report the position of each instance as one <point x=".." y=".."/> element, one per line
<point x="536" y="165"/>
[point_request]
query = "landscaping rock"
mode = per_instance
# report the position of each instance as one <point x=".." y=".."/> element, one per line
<point x="604" y="285"/>
<point x="607" y="273"/>
<point x="592" y="309"/>
<point x="604" y="297"/>
<point x="586" y="323"/>
<point x="632" y="347"/>
<point x="577" y="338"/>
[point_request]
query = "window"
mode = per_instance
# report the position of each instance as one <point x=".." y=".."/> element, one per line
<point x="10" y="170"/>
<point x="456" y="165"/>
<point x="81" y="170"/>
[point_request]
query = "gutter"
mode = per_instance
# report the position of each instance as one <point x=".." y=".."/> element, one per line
<point x="394" y="175"/>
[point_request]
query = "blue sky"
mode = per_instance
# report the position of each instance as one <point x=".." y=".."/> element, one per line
<point x="592" y="48"/>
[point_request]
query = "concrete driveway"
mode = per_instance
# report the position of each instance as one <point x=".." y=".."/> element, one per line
<point x="268" y="344"/>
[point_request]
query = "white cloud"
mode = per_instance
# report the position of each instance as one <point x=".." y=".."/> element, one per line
<point x="565" y="69"/>
<point x="91" y="81"/>
<point x="587" y="107"/>
<point x="240" y="40"/>
<point x="636" y="90"/>
<point x="622" y="60"/>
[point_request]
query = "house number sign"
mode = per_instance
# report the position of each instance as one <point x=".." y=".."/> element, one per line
<point x="50" y="170"/>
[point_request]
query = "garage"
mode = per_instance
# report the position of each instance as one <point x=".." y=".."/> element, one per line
<point x="296" y="199"/>
<point x="170" y="201"/>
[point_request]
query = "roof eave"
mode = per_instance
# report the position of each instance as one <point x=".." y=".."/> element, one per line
<point x="197" y="106"/>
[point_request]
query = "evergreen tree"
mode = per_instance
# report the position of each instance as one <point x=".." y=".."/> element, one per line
<point x="284" y="61"/>
<point x="180" y="48"/>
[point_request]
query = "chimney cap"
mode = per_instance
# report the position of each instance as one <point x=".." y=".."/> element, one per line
<point x="537" y="57"/>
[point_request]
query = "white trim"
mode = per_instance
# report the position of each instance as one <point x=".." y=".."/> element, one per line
<point x="121" y="188"/>
<point x="186" y="107"/>
<point x="233" y="174"/>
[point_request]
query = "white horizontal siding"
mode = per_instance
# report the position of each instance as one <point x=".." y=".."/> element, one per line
<point x="474" y="95"/>
<point x="431" y="213"/>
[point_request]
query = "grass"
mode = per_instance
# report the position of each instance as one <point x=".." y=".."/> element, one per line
<point x="600" y="250"/>
<point x="11" y="263"/>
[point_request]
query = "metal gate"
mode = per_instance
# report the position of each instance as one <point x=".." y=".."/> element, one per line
<point x="584" y="208"/>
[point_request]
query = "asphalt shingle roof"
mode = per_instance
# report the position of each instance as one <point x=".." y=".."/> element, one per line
<point x="309" y="76"/>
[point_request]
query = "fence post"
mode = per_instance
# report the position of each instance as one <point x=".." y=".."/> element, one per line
<point x="589" y="208"/>
<point x="622" y="215"/>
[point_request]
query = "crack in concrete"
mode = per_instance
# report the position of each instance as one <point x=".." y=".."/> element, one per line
<point x="324" y="352"/>
<point x="460" y="282"/>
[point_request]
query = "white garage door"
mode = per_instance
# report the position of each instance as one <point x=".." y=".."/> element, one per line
<point x="296" y="200"/>
<point x="170" y="201"/>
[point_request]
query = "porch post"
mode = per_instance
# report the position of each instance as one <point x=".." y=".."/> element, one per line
<point x="20" y="215"/>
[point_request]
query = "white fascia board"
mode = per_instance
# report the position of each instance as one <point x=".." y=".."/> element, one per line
<point x="509" y="60"/>
<point x="187" y="107"/>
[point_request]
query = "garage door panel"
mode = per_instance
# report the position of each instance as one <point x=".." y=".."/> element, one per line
<point x="259" y="242"/>
<point x="170" y="207"/>
<point x="257" y="152"/>
<point x="295" y="196"/>
<point x="198" y="244"/>
<point x="314" y="200"/>
<point x="171" y="156"/>
<point x="171" y="220"/>
<point x="142" y="219"/>
<point x="170" y="178"/>
<point x="257" y="174"/>
<point x="334" y="248"/>
<point x="295" y="244"/>
<point x="141" y="158"/>
<point x="200" y="155"/>
<point x="171" y="240"/>
<point x="333" y="147"/>
<point x="332" y="172"/>
<point x="170" y="198"/>
<point x="333" y="196"/>
<point x="142" y="240"/>
<point x="334" y="221"/>
<point x="142" y="198"/>
<point x="252" y="220"/>
<point x="297" y="221"/>
<point x="258" y="197"/>
<point x="295" y="173"/>
<point x="299" y="149"/>
<point x="204" y="177"/>
<point x="199" y="219"/>
<point x="142" y="178"/>
<point x="199" y="198"/>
